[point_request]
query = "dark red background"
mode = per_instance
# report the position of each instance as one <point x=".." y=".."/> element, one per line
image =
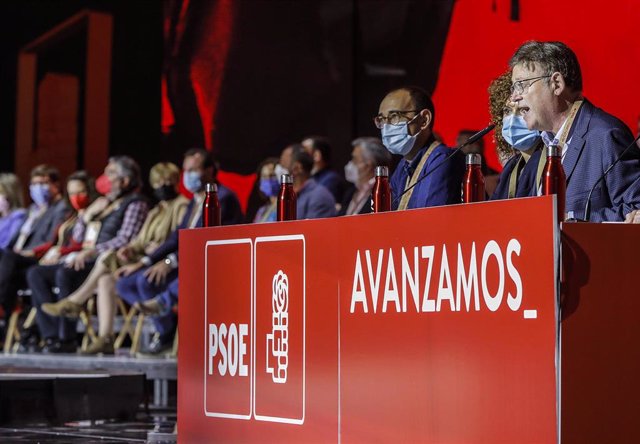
<point x="333" y="95"/>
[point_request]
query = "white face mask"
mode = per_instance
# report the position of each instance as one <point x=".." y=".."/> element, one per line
<point x="279" y="171"/>
<point x="397" y="138"/>
<point x="351" y="172"/>
<point x="516" y="133"/>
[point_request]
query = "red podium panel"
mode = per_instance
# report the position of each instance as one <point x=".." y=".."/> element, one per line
<point x="416" y="326"/>
<point x="279" y="350"/>
<point x="600" y="334"/>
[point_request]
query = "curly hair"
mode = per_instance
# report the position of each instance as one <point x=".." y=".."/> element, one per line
<point x="499" y="93"/>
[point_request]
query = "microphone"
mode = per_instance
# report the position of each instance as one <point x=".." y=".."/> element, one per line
<point x="477" y="136"/>
<point x="587" y="206"/>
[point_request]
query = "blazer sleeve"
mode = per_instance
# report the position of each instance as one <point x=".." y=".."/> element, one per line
<point x="621" y="186"/>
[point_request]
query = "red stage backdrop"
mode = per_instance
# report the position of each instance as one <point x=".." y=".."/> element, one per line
<point x="482" y="38"/>
<point x="244" y="80"/>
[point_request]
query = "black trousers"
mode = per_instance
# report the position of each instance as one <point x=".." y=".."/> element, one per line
<point x="42" y="279"/>
<point x="13" y="267"/>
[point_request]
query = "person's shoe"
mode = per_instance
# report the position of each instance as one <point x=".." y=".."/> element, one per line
<point x="151" y="307"/>
<point x="55" y="345"/>
<point x="157" y="348"/>
<point x="103" y="345"/>
<point x="64" y="307"/>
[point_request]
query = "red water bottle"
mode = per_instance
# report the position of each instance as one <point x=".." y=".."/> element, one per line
<point x="381" y="190"/>
<point x="211" y="216"/>
<point x="554" y="180"/>
<point x="473" y="182"/>
<point x="286" y="199"/>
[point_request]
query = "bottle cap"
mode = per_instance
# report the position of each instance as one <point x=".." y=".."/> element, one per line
<point x="211" y="188"/>
<point x="473" y="159"/>
<point x="286" y="178"/>
<point x="382" y="171"/>
<point x="554" y="151"/>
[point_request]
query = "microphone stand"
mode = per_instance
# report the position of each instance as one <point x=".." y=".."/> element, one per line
<point x="477" y="136"/>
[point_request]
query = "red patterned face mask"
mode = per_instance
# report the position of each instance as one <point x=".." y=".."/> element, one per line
<point x="103" y="185"/>
<point x="79" y="201"/>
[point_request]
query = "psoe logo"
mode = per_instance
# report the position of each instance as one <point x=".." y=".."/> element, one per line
<point x="278" y="339"/>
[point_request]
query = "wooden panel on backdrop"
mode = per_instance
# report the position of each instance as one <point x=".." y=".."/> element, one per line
<point x="43" y="125"/>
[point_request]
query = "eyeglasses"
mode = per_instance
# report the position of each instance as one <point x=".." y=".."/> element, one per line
<point x="393" y="118"/>
<point x="520" y="86"/>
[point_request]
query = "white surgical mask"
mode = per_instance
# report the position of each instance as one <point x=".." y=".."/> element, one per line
<point x="279" y="171"/>
<point x="516" y="133"/>
<point x="351" y="172"/>
<point x="397" y="138"/>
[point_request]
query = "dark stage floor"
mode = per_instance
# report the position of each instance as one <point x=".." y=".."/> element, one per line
<point x="160" y="425"/>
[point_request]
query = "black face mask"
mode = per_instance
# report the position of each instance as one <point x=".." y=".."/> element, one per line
<point x="165" y="192"/>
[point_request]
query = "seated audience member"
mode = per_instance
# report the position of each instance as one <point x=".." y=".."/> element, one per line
<point x="12" y="212"/>
<point x="145" y="278"/>
<point x="269" y="186"/>
<point x="490" y="175"/>
<point x="112" y="223"/>
<point x="161" y="220"/>
<point x="519" y="146"/>
<point x="46" y="213"/>
<point x="160" y="306"/>
<point x="405" y="118"/>
<point x="320" y="150"/>
<point x="313" y="201"/>
<point x="162" y="303"/>
<point x="547" y="87"/>
<point x="367" y="154"/>
<point x="80" y="193"/>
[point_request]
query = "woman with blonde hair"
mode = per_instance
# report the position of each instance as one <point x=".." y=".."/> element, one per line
<point x="12" y="211"/>
<point x="162" y="220"/>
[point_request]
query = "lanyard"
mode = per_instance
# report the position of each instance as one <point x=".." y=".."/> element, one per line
<point x="569" y="123"/>
<point x="514" y="176"/>
<point x="404" y="201"/>
<point x="561" y="140"/>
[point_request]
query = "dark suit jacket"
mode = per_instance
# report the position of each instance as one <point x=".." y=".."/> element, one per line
<point x="526" y="181"/>
<point x="596" y="141"/>
<point x="231" y="215"/>
<point x="348" y="195"/>
<point x="442" y="185"/>
<point x="45" y="228"/>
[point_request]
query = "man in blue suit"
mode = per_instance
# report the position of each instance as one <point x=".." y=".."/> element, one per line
<point x="547" y="86"/>
<point x="405" y="118"/>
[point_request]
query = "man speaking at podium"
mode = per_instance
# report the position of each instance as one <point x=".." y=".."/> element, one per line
<point x="547" y="87"/>
<point x="405" y="118"/>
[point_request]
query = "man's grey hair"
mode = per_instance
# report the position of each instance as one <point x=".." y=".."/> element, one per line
<point x="552" y="57"/>
<point x="373" y="150"/>
<point x="127" y="167"/>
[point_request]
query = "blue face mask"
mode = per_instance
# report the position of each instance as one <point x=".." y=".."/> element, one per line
<point x="516" y="133"/>
<point x="397" y="138"/>
<point x="192" y="181"/>
<point x="40" y="193"/>
<point x="269" y="187"/>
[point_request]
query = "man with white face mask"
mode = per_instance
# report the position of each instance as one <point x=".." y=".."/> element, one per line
<point x="367" y="154"/>
<point x="405" y="118"/>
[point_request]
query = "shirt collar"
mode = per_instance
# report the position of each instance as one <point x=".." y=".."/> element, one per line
<point x="549" y="138"/>
<point x="411" y="165"/>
